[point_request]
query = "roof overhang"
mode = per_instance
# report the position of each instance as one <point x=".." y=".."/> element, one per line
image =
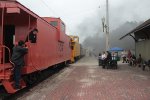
<point x="15" y="6"/>
<point x="141" y="30"/>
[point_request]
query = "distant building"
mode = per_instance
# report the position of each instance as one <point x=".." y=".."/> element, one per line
<point x="141" y="35"/>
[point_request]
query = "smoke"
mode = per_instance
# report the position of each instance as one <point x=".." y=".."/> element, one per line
<point x="123" y="18"/>
<point x="89" y="26"/>
<point x="126" y="43"/>
<point x="96" y="43"/>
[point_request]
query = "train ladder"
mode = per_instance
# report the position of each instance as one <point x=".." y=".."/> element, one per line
<point x="7" y="73"/>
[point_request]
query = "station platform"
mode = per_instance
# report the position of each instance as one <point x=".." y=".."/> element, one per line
<point x="85" y="80"/>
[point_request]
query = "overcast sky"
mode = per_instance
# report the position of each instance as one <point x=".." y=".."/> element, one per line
<point x="75" y="12"/>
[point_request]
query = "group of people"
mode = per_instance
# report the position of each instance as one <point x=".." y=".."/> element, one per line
<point x="18" y="54"/>
<point x="135" y="61"/>
<point x="131" y="59"/>
<point x="126" y="56"/>
<point x="106" y="58"/>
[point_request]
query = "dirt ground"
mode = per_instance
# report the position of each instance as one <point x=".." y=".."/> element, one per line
<point x="85" y="80"/>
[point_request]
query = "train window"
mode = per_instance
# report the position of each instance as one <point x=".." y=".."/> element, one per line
<point x="76" y="39"/>
<point x="32" y="36"/>
<point x="62" y="27"/>
<point x="54" y="23"/>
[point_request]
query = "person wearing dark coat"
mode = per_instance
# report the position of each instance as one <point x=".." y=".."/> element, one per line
<point x="100" y="59"/>
<point x="32" y="36"/>
<point x="18" y="59"/>
<point x="108" y="58"/>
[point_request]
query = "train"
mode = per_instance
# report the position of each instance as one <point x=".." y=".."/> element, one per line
<point x="52" y="47"/>
<point x="75" y="46"/>
<point x="77" y="50"/>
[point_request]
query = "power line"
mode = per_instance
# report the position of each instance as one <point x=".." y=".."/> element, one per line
<point x="49" y="10"/>
<point x="49" y="7"/>
<point x="44" y="4"/>
<point x="53" y="12"/>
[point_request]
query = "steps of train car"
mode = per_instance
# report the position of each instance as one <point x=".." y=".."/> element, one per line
<point x="10" y="87"/>
<point x="6" y="78"/>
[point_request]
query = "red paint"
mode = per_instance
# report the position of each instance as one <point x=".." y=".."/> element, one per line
<point x="52" y="45"/>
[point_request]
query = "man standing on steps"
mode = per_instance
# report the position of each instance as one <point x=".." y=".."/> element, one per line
<point x="18" y="59"/>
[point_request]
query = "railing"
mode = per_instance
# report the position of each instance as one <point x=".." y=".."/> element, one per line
<point x="2" y="48"/>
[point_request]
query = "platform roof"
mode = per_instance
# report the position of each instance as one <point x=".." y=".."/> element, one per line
<point x="140" y="32"/>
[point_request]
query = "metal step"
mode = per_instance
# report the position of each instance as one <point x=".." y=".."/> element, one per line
<point x="9" y="86"/>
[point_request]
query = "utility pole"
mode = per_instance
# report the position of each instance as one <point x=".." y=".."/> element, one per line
<point x="106" y="25"/>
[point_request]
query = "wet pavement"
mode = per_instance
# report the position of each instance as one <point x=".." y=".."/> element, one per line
<point x="85" y="80"/>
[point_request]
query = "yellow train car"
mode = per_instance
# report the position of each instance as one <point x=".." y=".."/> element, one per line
<point x="75" y="46"/>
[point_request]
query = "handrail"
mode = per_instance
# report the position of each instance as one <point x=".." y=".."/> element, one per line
<point x="3" y="46"/>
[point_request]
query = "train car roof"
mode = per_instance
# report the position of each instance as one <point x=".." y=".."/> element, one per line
<point x="16" y="4"/>
<point x="54" y="18"/>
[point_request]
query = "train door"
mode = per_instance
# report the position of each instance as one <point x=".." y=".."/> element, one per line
<point x="9" y="33"/>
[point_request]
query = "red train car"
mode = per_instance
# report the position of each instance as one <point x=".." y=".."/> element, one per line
<point x="52" y="46"/>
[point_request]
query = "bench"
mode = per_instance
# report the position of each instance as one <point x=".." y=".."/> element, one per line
<point x="110" y="64"/>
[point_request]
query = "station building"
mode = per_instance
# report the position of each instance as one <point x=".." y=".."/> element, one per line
<point x="141" y="36"/>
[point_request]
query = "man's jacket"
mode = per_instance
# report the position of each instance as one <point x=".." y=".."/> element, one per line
<point x="18" y="55"/>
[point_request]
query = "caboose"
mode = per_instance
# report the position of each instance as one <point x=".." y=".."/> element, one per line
<point x="52" y="46"/>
